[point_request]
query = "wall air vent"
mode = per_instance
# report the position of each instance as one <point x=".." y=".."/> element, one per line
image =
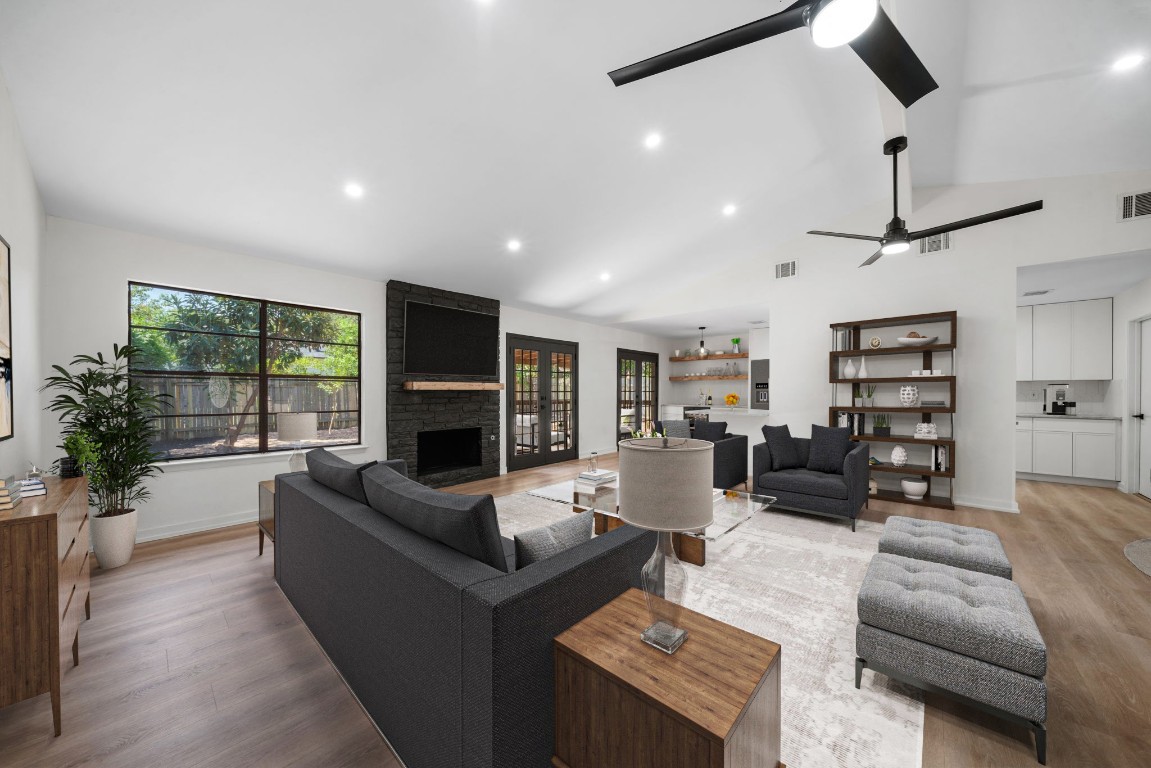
<point x="785" y="269"/>
<point x="940" y="242"/>
<point x="1044" y="292"/>
<point x="1135" y="205"/>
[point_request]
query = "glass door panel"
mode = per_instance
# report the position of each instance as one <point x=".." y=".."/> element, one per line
<point x="637" y="388"/>
<point x="542" y="406"/>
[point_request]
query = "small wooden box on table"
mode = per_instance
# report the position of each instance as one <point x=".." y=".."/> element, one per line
<point x="43" y="590"/>
<point x="620" y="702"/>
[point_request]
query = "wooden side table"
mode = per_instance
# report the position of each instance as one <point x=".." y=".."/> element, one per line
<point x="267" y="519"/>
<point x="620" y="702"/>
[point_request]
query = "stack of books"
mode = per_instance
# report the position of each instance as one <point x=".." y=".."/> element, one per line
<point x="9" y="493"/>
<point x="33" y="487"/>
<point x="599" y="477"/>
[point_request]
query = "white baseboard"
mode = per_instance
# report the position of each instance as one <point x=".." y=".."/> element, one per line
<point x="196" y="526"/>
<point x="994" y="505"/>
<point x="1067" y="480"/>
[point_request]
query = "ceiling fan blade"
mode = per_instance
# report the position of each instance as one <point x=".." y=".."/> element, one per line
<point x="844" y="234"/>
<point x="873" y="258"/>
<point x="889" y="56"/>
<point x="975" y="221"/>
<point x="721" y="43"/>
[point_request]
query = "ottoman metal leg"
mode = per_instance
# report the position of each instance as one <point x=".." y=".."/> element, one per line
<point x="859" y="665"/>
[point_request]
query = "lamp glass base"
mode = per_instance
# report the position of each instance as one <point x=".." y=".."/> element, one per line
<point x="664" y="636"/>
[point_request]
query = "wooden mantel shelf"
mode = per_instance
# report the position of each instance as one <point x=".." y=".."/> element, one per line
<point x="450" y="386"/>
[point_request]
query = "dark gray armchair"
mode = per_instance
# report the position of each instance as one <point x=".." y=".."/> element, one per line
<point x="729" y="460"/>
<point x="805" y="490"/>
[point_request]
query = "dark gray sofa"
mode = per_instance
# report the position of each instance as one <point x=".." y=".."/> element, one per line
<point x="805" y="490"/>
<point x="729" y="457"/>
<point x="451" y="657"/>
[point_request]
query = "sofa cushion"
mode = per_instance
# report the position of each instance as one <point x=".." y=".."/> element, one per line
<point x="328" y="469"/>
<point x="805" y="481"/>
<point x="467" y="524"/>
<point x="973" y="549"/>
<point x="781" y="446"/>
<point x="541" y="543"/>
<point x="674" y="428"/>
<point x="712" y="431"/>
<point x="829" y="447"/>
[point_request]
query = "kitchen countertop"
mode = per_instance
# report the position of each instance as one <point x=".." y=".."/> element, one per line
<point x="1058" y="416"/>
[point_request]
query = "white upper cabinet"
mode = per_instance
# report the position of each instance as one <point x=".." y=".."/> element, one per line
<point x="1070" y="341"/>
<point x="1091" y="345"/>
<point x="1051" y="339"/>
<point x="1023" y="346"/>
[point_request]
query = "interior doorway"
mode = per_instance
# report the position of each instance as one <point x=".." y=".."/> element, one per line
<point x="1143" y="484"/>
<point x="543" y="402"/>
<point x="637" y="391"/>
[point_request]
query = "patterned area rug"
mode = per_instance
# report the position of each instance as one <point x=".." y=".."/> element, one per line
<point x="793" y="579"/>
<point x="1139" y="553"/>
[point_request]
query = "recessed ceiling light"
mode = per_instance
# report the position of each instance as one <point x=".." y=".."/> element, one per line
<point x="605" y="276"/>
<point x="652" y="140"/>
<point x="729" y="209"/>
<point x="353" y="190"/>
<point x="1128" y="62"/>
<point x="514" y="246"/>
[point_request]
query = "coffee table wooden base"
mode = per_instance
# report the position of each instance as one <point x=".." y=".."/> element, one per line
<point x="687" y="548"/>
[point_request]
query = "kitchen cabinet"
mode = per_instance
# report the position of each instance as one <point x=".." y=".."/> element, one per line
<point x="1024" y="349"/>
<point x="1068" y="341"/>
<point x="1023" y="457"/>
<point x="1052" y="453"/>
<point x="1095" y="456"/>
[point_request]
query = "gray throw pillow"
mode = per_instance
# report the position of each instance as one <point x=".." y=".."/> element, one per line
<point x="343" y="476"/>
<point x="467" y="524"/>
<point x="541" y="543"/>
<point x="829" y="447"/>
<point x="781" y="446"/>
<point x="712" y="431"/>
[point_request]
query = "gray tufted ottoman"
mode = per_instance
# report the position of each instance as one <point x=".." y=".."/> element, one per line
<point x="949" y="630"/>
<point x="973" y="549"/>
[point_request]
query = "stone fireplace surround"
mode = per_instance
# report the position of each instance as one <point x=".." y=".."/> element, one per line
<point x="409" y="413"/>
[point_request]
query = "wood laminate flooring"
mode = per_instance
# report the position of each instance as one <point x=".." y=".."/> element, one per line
<point x="193" y="657"/>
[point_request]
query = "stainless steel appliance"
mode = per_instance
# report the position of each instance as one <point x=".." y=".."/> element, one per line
<point x="1057" y="400"/>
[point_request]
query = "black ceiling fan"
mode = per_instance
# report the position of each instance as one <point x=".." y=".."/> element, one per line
<point x="897" y="239"/>
<point x="862" y="24"/>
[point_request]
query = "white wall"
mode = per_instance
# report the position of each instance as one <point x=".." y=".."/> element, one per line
<point x="1131" y="306"/>
<point x="86" y="272"/>
<point x="22" y="226"/>
<point x="598" y="428"/>
<point x="977" y="279"/>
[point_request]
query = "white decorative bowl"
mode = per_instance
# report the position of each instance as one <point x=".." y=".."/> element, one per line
<point x="914" y="489"/>
<point x="920" y="341"/>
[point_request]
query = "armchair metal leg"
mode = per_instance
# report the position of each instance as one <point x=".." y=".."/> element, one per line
<point x="1040" y="743"/>
<point x="853" y="525"/>
<point x="859" y="665"/>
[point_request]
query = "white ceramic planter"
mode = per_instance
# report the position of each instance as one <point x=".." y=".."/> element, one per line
<point x="914" y="489"/>
<point x="114" y="538"/>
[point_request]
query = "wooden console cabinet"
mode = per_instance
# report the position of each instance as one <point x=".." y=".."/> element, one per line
<point x="43" y="590"/>
<point x="714" y="703"/>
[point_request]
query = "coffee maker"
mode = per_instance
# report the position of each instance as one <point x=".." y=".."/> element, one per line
<point x="1057" y="400"/>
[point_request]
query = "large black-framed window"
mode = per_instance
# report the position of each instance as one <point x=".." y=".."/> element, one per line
<point x="245" y="375"/>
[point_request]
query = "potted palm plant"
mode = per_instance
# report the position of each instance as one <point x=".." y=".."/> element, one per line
<point x="96" y="398"/>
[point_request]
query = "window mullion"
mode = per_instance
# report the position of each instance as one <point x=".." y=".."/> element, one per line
<point x="264" y="394"/>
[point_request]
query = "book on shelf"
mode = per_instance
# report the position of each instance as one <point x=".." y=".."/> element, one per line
<point x="11" y="503"/>
<point x="939" y="461"/>
<point x="32" y="488"/>
<point x="10" y="493"/>
<point x="598" y="477"/>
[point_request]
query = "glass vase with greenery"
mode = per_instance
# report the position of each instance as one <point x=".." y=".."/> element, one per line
<point x="97" y="401"/>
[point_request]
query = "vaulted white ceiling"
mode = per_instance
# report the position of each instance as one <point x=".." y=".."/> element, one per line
<point x="237" y="125"/>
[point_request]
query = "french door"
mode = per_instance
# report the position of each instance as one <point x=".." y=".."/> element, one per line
<point x="542" y="403"/>
<point x="637" y="391"/>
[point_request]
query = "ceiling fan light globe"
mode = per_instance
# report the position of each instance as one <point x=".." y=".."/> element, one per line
<point x="895" y="246"/>
<point x="837" y="22"/>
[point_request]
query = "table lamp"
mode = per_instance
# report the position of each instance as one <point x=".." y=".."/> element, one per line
<point x="665" y="486"/>
<point x="295" y="428"/>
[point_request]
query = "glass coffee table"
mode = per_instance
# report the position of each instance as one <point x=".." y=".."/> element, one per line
<point x="731" y="509"/>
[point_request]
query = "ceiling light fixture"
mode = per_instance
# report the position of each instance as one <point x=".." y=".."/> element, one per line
<point x="605" y="276"/>
<point x="894" y="246"/>
<point x="515" y="246"/>
<point x="1128" y="62"/>
<point x="652" y="141"/>
<point x="353" y="190"/>
<point x="837" y="22"/>
<point x="729" y="209"/>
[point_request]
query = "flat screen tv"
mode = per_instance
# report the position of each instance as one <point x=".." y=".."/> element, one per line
<point x="452" y="342"/>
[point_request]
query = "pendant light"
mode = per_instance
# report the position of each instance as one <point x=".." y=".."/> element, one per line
<point x="703" y="351"/>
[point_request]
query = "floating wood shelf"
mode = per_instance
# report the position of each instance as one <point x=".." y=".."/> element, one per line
<point x="716" y="356"/>
<point x="911" y="469"/>
<point x="452" y="386"/>
<point x="928" y="501"/>
<point x="708" y="378"/>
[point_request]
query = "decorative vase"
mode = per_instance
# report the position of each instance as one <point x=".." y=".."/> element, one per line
<point x="899" y="456"/>
<point x="882" y="431"/>
<point x="909" y="395"/>
<point x="69" y="467"/>
<point x="913" y="489"/>
<point x="849" y="369"/>
<point x="114" y="538"/>
<point x="735" y="349"/>
<point x="863" y="367"/>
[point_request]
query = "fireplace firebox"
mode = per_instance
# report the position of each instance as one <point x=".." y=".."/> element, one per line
<point x="443" y="450"/>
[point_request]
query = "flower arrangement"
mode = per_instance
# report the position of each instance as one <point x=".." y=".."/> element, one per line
<point x="732" y="399"/>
